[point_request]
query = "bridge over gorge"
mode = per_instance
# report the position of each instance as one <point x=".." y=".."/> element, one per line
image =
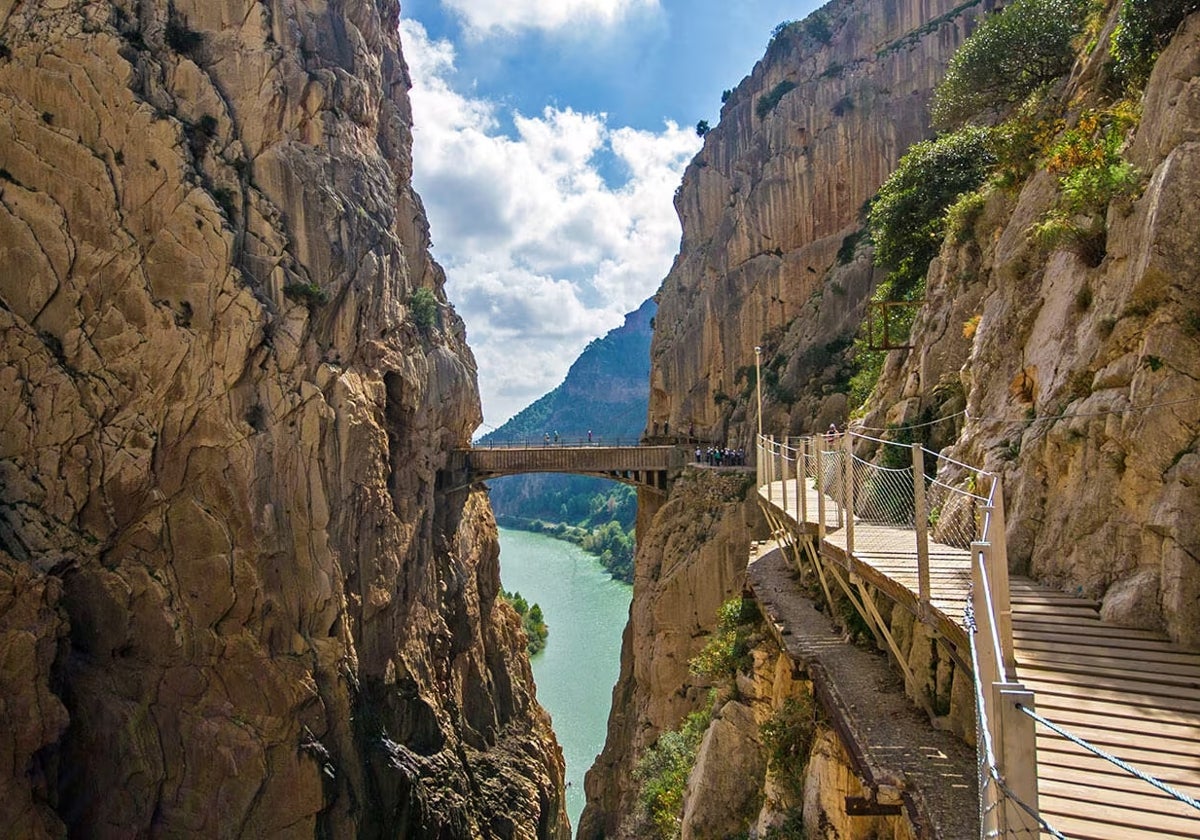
<point x="1085" y="730"/>
<point x="649" y="467"/>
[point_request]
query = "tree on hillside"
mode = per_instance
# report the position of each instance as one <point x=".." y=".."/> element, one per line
<point x="1008" y="57"/>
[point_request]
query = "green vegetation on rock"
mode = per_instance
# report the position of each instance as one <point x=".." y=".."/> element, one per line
<point x="728" y="648"/>
<point x="1143" y="30"/>
<point x="1009" y="56"/>
<point x="662" y="774"/>
<point x="532" y="620"/>
<point x="424" y="308"/>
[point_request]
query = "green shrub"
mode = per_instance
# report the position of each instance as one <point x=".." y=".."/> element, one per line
<point x="867" y="367"/>
<point x="662" y="774"/>
<point x="310" y="294"/>
<point x="1007" y="58"/>
<point x="1144" y="28"/>
<point x="908" y="216"/>
<point x="845" y="254"/>
<point x="767" y="102"/>
<point x="788" y="738"/>
<point x="532" y="620"/>
<point x="1092" y="175"/>
<point x="424" y="308"/>
<point x="728" y="648"/>
<point x="962" y="215"/>
<point x="702" y="128"/>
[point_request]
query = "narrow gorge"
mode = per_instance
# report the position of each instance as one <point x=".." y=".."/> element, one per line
<point x="241" y="593"/>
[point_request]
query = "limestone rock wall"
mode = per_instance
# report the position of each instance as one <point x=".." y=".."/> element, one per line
<point x="691" y="558"/>
<point x="769" y="202"/>
<point x="1082" y="381"/>
<point x="233" y="598"/>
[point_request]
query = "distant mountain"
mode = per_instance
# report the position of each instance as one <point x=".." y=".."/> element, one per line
<point x="606" y="392"/>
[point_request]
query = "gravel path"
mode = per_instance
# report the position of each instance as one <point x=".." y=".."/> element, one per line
<point x="894" y="742"/>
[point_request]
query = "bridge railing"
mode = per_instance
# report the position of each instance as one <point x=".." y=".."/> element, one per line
<point x="923" y="503"/>
<point x="559" y="441"/>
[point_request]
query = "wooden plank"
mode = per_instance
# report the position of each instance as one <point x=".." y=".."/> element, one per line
<point x="1049" y="683"/>
<point x="1137" y="755"/>
<point x="1097" y="779"/>
<point x="1060" y="760"/>
<point x="1089" y="626"/>
<point x="1116" y="739"/>
<point x="1148" y="656"/>
<point x="1084" y="828"/>
<point x="1160" y="676"/>
<point x="1024" y="636"/>
<point x="1100" y="660"/>
<point x="1051" y="701"/>
<point x="1159" y="692"/>
<point x="1062" y="712"/>
<point x="1078" y="800"/>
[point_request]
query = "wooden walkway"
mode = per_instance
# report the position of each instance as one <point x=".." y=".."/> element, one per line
<point x="1131" y="693"/>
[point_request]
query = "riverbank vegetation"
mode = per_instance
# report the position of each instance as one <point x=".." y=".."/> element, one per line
<point x="600" y="521"/>
<point x="532" y="620"/>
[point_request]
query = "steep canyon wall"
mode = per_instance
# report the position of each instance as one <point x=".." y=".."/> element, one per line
<point x="769" y="202"/>
<point x="766" y="207"/>
<point x="1082" y="374"/>
<point x="233" y="598"/>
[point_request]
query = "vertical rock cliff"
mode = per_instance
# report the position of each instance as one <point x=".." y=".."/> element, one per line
<point x="770" y="208"/>
<point x="234" y="599"/>
<point x="771" y="205"/>
<point x="1082" y="371"/>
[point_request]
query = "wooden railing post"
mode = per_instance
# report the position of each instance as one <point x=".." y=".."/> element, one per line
<point x="998" y="571"/>
<point x="771" y="467"/>
<point x="783" y="454"/>
<point x="819" y="446"/>
<point x="921" y="522"/>
<point x="802" y="478"/>
<point x="758" y="462"/>
<point x="848" y="491"/>
<point x="1016" y="758"/>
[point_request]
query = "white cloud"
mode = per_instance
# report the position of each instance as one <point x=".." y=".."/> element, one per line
<point x="486" y="16"/>
<point x="541" y="254"/>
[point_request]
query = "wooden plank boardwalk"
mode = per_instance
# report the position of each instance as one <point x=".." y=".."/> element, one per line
<point x="1131" y="693"/>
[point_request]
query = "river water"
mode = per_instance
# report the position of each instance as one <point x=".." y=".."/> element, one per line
<point x="586" y="611"/>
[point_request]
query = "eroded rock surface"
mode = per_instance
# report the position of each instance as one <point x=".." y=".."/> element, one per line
<point x="234" y="596"/>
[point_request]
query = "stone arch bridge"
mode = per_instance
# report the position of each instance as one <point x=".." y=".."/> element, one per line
<point x="652" y="468"/>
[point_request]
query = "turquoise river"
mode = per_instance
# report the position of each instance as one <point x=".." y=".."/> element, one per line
<point x="586" y="611"/>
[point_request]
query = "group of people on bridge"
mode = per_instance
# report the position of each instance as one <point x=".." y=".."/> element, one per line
<point x="717" y="456"/>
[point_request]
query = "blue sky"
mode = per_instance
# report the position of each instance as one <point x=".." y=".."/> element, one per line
<point x="549" y="138"/>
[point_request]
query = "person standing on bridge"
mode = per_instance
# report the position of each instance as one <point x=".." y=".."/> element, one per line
<point x="546" y="439"/>
<point x="589" y="437"/>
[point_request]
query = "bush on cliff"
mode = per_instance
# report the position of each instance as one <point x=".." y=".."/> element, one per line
<point x="1008" y="57"/>
<point x="662" y="774"/>
<point x="1143" y="30"/>
<point x="908" y="215"/>
<point x="728" y="648"/>
<point x="533" y="622"/>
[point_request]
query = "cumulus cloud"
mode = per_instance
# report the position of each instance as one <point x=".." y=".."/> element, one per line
<point x="486" y="16"/>
<point x="541" y="251"/>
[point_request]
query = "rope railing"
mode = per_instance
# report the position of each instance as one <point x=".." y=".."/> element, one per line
<point x="899" y="507"/>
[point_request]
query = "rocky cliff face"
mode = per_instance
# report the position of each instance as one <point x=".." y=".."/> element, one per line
<point x="774" y="196"/>
<point x="766" y="207"/>
<point x="1082" y="379"/>
<point x="691" y="558"/>
<point x="233" y="598"/>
